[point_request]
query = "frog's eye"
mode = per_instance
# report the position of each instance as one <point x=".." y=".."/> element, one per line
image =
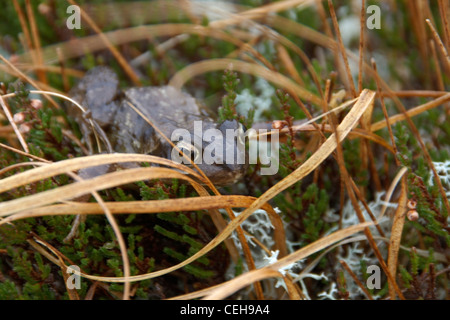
<point x="190" y="150"/>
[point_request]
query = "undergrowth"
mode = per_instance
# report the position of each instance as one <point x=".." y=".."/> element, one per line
<point x="408" y="60"/>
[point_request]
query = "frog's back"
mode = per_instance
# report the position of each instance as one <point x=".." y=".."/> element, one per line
<point x="168" y="107"/>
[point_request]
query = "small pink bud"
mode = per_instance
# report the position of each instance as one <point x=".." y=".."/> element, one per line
<point x="36" y="103"/>
<point x="278" y="124"/>
<point x="412" y="204"/>
<point x="412" y="215"/>
<point x="44" y="9"/>
<point x="19" y="117"/>
<point x="24" y="128"/>
<point x="14" y="59"/>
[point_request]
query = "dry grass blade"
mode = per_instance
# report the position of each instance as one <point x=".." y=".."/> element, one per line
<point x="361" y="45"/>
<point x="350" y="121"/>
<point x="91" y="186"/>
<point x="390" y="191"/>
<point x="417" y="136"/>
<point x="138" y="207"/>
<point x="39" y="246"/>
<point x="116" y="53"/>
<point x="441" y="46"/>
<point x="396" y="234"/>
<point x="36" y="40"/>
<point x="355" y="133"/>
<point x="23" y="153"/>
<point x="64" y="166"/>
<point x="72" y="292"/>
<point x="122" y="246"/>
<point x="270" y="271"/>
<point x="53" y="255"/>
<point x="289" y="64"/>
<point x="78" y="47"/>
<point x="293" y="291"/>
<point x="75" y="164"/>
<point x="355" y="278"/>
<point x="384" y="109"/>
<point x="342" y="49"/>
<point x="24" y="77"/>
<point x="49" y="69"/>
<point x="260" y="12"/>
<point x="365" y="100"/>
<point x="180" y="78"/>
<point x="411" y="112"/>
<point x="307" y="269"/>
<point x="88" y="186"/>
<point x="438" y="72"/>
<point x="230" y="287"/>
<point x="13" y="124"/>
<point x="19" y="165"/>
<point x="443" y="10"/>
<point x="24" y="26"/>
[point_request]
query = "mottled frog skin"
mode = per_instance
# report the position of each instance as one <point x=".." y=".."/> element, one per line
<point x="167" y="107"/>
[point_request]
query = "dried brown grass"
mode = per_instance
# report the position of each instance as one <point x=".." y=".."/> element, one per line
<point x="57" y="201"/>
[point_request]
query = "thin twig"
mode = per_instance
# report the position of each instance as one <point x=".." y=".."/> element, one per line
<point x="441" y="46"/>
<point x="116" y="53"/>
<point x="36" y="40"/>
<point x="361" y="45"/>
<point x="443" y="10"/>
<point x="13" y="124"/>
<point x="28" y="79"/>
<point x="342" y="48"/>
<point x="384" y="109"/>
<point x="355" y="278"/>
<point x="24" y="26"/>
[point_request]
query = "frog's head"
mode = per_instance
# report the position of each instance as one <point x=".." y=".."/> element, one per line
<point x="219" y="152"/>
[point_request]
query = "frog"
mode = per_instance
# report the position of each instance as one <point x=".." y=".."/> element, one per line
<point x="168" y="108"/>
